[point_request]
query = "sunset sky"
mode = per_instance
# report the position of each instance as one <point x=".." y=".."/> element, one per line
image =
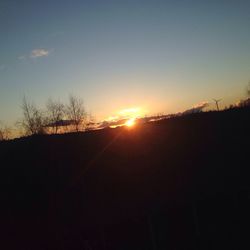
<point x="159" y="56"/>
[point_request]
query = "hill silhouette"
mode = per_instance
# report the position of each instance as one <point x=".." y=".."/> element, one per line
<point x="179" y="183"/>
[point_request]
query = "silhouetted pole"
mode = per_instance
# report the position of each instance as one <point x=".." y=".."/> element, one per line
<point x="217" y="103"/>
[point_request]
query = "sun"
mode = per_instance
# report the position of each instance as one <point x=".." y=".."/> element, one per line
<point x="128" y="117"/>
<point x="130" y="122"/>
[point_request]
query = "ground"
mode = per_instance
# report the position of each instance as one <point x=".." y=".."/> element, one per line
<point x="180" y="183"/>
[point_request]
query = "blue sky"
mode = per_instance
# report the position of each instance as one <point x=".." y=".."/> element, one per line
<point x="163" y="56"/>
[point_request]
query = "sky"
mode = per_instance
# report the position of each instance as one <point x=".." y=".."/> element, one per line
<point x="161" y="56"/>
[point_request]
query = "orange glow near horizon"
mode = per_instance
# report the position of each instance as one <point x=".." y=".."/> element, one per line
<point x="125" y="117"/>
<point x="128" y="113"/>
<point x="130" y="123"/>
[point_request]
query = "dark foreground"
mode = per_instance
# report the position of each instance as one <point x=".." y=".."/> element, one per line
<point x="182" y="183"/>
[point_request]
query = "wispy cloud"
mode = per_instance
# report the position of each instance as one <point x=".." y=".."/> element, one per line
<point x="35" y="53"/>
<point x="197" y="108"/>
<point x="201" y="105"/>
<point x="39" y="53"/>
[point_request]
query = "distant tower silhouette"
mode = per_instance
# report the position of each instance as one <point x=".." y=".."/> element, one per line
<point x="217" y="103"/>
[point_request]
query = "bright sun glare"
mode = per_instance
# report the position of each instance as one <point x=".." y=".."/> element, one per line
<point x="125" y="117"/>
<point x="130" y="122"/>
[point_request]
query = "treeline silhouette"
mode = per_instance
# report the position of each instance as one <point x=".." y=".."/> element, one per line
<point x="58" y="117"/>
<point x="55" y="118"/>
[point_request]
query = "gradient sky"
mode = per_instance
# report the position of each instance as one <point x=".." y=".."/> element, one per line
<point x="163" y="56"/>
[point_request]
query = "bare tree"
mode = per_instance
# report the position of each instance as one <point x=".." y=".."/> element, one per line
<point x="248" y="89"/>
<point x="1" y="132"/>
<point x="76" y="112"/>
<point x="33" y="120"/>
<point x="1" y="135"/>
<point x="56" y="112"/>
<point x="245" y="102"/>
<point x="5" y="132"/>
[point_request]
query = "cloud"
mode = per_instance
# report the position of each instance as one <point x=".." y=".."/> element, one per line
<point x="196" y="108"/>
<point x="35" y="53"/>
<point x="112" y="123"/>
<point x="39" y="53"/>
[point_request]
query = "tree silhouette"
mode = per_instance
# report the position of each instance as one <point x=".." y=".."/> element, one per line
<point x="248" y="89"/>
<point x="5" y="132"/>
<point x="56" y="113"/>
<point x="33" y="120"/>
<point x="76" y="112"/>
